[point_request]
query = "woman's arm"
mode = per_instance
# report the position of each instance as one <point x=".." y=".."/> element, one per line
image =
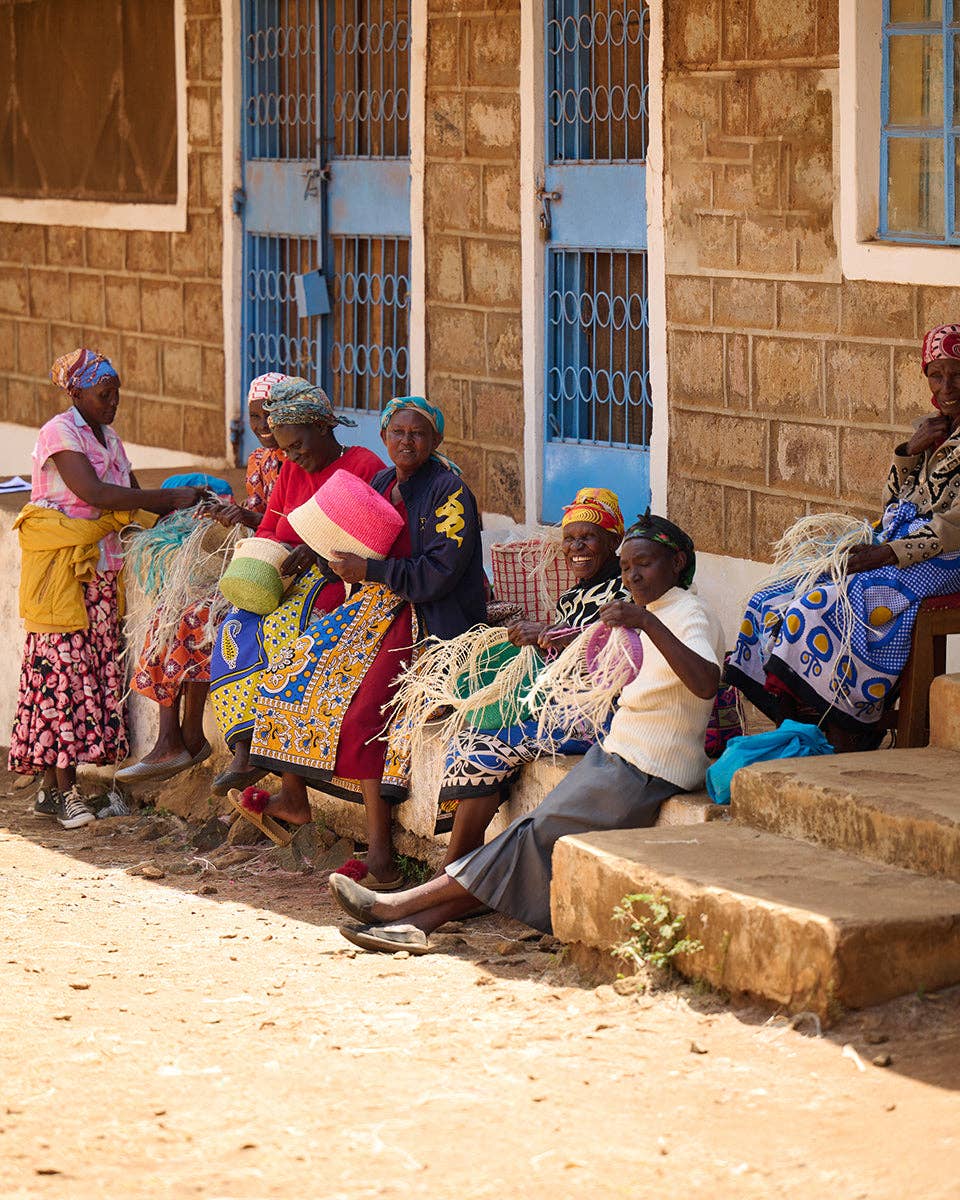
<point x="696" y="673"/>
<point x="78" y="474"/>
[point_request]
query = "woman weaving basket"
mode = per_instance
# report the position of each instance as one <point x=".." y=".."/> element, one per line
<point x="827" y="639"/>
<point x="302" y="420"/>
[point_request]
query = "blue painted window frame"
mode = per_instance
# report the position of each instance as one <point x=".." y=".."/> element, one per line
<point x="948" y="26"/>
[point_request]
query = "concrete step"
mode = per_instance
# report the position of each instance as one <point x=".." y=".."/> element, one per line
<point x="804" y="927"/>
<point x="945" y="712"/>
<point x="894" y="806"/>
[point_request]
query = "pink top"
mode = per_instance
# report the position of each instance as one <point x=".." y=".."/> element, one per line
<point x="69" y="431"/>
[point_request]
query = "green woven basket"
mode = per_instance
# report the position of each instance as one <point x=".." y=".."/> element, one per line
<point x="495" y="716"/>
<point x="252" y="585"/>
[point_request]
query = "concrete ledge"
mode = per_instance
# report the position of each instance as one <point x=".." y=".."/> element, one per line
<point x="945" y="712"/>
<point x="782" y="921"/>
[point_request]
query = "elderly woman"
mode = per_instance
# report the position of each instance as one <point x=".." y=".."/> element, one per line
<point x="483" y="761"/>
<point x="70" y="701"/>
<point x="654" y="749"/>
<point x="302" y="420"/>
<point x="176" y="674"/>
<point x="430" y="584"/>
<point x="796" y="656"/>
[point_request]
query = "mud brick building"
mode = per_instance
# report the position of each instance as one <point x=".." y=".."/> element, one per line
<point x="686" y="250"/>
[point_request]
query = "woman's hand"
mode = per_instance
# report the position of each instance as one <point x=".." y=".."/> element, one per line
<point x="300" y="559"/>
<point x="350" y="567"/>
<point x="552" y="640"/>
<point x="930" y="432"/>
<point x="525" y="633"/>
<point x="230" y="514"/>
<point x="624" y="614"/>
<point x="185" y="497"/>
<point x="868" y="558"/>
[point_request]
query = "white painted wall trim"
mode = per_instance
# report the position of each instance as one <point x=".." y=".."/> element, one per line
<point x="531" y="251"/>
<point x="861" y="255"/>
<point x="98" y="214"/>
<point x="232" y="266"/>
<point x="418" y="257"/>
<point x="657" y="267"/>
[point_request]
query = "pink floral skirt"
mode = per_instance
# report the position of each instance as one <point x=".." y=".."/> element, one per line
<point x="70" y="701"/>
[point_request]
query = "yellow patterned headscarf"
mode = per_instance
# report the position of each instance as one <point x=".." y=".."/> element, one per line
<point x="595" y="506"/>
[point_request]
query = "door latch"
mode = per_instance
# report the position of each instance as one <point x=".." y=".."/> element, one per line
<point x="314" y="176"/>
<point x="545" y="218"/>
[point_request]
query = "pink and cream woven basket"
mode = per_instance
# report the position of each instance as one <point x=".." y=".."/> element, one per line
<point x="347" y="514"/>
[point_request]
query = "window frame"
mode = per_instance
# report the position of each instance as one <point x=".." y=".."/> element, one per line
<point x="109" y="214"/>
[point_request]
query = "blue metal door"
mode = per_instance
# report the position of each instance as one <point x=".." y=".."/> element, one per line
<point x="593" y="217"/>
<point x="326" y="199"/>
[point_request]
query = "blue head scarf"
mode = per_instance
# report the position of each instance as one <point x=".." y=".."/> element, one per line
<point x="430" y="412"/>
<point x="81" y="369"/>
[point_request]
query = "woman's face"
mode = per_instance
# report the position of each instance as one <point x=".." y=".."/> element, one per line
<point x="587" y="548"/>
<point x="649" y="569"/>
<point x="98" y="404"/>
<point x="309" y="446"/>
<point x="258" y="423"/>
<point x="410" y="439"/>
<point x="943" y="375"/>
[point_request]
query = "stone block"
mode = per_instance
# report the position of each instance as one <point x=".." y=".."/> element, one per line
<point x="66" y="337"/>
<point x="65" y="247"/>
<point x="936" y="306"/>
<point x="22" y="406"/>
<point x="443" y="137"/>
<point x="877" y="309"/>
<point x="911" y="392"/>
<point x="816" y="249"/>
<point x="140" y="363"/>
<point x="810" y="183"/>
<point x="498" y="415"/>
<point x="688" y="300"/>
<point x="695" y="362"/>
<point x="86" y="299"/>
<point x="503" y="489"/>
<point x="452" y="197"/>
<point x="182" y="365"/>
<point x="212" y="46"/>
<point x="766" y="245"/>
<point x="492" y="125"/>
<point x="772" y="517"/>
<point x="783" y="31"/>
<point x="188" y="251"/>
<point x="455" y="340"/>
<point x="160" y="423"/>
<point x="212" y="378"/>
<point x="737" y="371"/>
<point x="211" y="178"/>
<point x="148" y="252"/>
<point x="787" y="102"/>
<point x="492" y="272"/>
<point x="767" y="174"/>
<point x="716" y="242"/>
<point x="804" y="457"/>
<point x="444" y="261"/>
<point x="864" y="461"/>
<point x="199" y="123"/>
<point x="22" y="245"/>
<point x="945" y="712"/>
<point x="732" y="186"/>
<point x="504" y="345"/>
<point x="14" y="292"/>
<point x="501" y="199"/>
<point x="691" y="33"/>
<point x="204" y="431"/>
<point x="469" y="459"/>
<point x="161" y="306"/>
<point x="447" y="393"/>
<point x="858" y="382"/>
<point x="697" y="507"/>
<point x="786" y="375"/>
<point x="745" y="303"/>
<point x="718" y="446"/>
<point x="493" y="51"/>
<point x="122" y="294"/>
<point x="8" y="340"/>
<point x="214" y="227"/>
<point x="105" y="249"/>
<point x="735" y="99"/>
<point x="203" y="311"/>
<point x="736" y="522"/>
<point x="443" y="52"/>
<point x="809" y="307"/>
<point x="33" y="349"/>
<point x="193" y="37"/>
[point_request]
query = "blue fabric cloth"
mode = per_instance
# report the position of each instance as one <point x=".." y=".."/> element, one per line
<point x="443" y="577"/>
<point x="198" y="479"/>
<point x="791" y="740"/>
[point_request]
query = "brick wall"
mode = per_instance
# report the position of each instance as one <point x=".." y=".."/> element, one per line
<point x="788" y="386"/>
<point x="151" y="301"/>
<point x="472" y="222"/>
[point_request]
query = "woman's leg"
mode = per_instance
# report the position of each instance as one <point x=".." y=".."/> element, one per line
<point x="169" y="741"/>
<point x="66" y="778"/>
<point x="379" y="836"/>
<point x="191" y="726"/>
<point x="290" y="803"/>
<point x="241" y="755"/>
<point x="427" y="906"/>
<point x="470" y="823"/>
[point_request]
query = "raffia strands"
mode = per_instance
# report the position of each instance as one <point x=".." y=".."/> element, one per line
<point x="571" y="695"/>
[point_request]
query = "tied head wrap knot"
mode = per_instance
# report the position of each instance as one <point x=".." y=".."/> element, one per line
<point x="81" y="368"/>
<point x="658" y="529"/>
<point x="595" y="506"/>
<point x="429" y="412"/>
<point x="296" y="401"/>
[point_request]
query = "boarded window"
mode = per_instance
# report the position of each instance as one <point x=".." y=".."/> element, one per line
<point x="88" y="100"/>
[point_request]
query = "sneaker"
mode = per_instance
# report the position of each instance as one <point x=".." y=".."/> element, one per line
<point x="116" y="806"/>
<point x="45" y="802"/>
<point x="72" y="811"/>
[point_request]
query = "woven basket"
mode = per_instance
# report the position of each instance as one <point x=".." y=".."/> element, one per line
<point x="531" y="574"/>
<point x="253" y="581"/>
<point x="348" y="515"/>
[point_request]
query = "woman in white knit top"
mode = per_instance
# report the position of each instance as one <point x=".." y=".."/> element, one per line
<point x="654" y="750"/>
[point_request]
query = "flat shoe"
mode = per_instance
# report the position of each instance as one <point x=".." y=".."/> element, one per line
<point x="270" y="827"/>
<point x="226" y="780"/>
<point x="388" y="938"/>
<point x="355" y="900"/>
<point x="141" y="772"/>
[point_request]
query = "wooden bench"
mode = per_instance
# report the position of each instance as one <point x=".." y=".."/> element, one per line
<point x="939" y="616"/>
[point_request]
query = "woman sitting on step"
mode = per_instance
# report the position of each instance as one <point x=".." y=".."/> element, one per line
<point x="825" y="641"/>
<point x="655" y="748"/>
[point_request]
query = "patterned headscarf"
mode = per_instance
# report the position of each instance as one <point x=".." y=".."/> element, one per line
<point x="659" y="529"/>
<point x="595" y="506"/>
<point x="295" y="401"/>
<point x="259" y="388"/>
<point x="942" y="342"/>
<point x="430" y="412"/>
<point x="81" y="369"/>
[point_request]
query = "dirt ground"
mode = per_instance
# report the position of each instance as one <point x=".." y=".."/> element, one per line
<point x="208" y="1033"/>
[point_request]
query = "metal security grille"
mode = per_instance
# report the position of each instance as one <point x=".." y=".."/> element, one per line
<point x="277" y="339"/>
<point x="369" y="45"/>
<point x="370" y="321"/>
<point x="282" y="80"/>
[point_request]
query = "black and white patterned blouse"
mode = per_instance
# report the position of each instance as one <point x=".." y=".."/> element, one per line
<point x="931" y="481"/>
<point x="579" y="606"/>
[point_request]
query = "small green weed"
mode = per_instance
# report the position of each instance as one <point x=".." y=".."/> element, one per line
<point x="412" y="869"/>
<point x="655" y="936"/>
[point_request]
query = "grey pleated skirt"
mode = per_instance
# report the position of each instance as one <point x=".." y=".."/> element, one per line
<point x="512" y="873"/>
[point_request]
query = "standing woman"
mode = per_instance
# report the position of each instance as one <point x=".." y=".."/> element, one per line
<point x="70" y="700"/>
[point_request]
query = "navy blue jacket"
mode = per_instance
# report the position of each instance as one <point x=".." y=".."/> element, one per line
<point x="443" y="577"/>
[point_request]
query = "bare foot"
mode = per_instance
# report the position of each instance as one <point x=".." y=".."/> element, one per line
<point x="294" y="809"/>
